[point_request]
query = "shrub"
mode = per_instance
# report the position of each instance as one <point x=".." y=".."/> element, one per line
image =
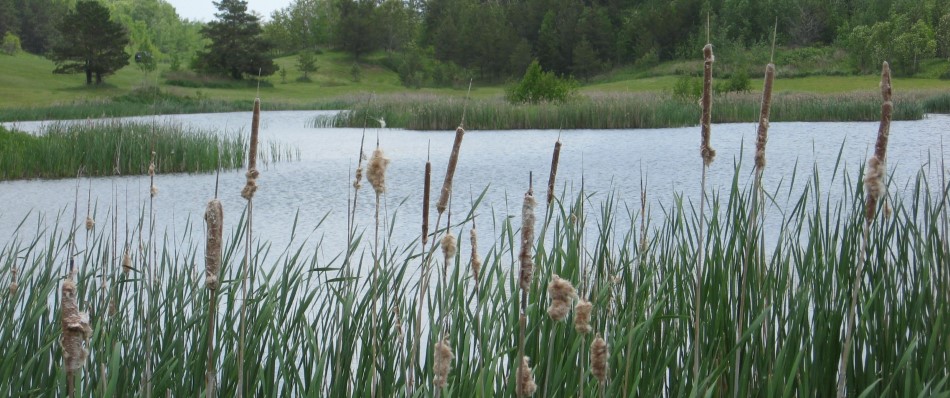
<point x="11" y="44"/>
<point x="687" y="88"/>
<point x="538" y="86"/>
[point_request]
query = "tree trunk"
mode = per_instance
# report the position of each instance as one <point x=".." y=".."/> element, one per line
<point x="88" y="76"/>
<point x="98" y="78"/>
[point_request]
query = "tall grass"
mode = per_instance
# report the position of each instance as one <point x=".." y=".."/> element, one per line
<point x="308" y="330"/>
<point x="644" y="110"/>
<point x="121" y="147"/>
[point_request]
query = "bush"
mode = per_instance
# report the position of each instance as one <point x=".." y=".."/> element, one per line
<point x="737" y="83"/>
<point x="540" y="86"/>
<point x="688" y="88"/>
<point x="11" y="44"/>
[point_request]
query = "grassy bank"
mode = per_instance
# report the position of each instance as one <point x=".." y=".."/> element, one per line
<point x="309" y="321"/>
<point x="111" y="147"/>
<point x="627" y="111"/>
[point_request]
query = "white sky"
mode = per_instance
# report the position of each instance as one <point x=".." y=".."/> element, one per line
<point x="203" y="10"/>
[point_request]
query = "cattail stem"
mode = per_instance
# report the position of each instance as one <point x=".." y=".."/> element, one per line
<point x="874" y="186"/>
<point x="707" y="154"/>
<point x="248" y="194"/>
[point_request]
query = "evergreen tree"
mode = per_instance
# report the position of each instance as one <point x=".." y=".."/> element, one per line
<point x="237" y="46"/>
<point x="90" y="42"/>
<point x="357" y="32"/>
<point x="306" y="63"/>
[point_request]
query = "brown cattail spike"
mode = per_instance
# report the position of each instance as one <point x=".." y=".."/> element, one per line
<point x="762" y="134"/>
<point x="76" y="329"/>
<point x="527" y="241"/>
<point x="582" y="316"/>
<point x="450" y="172"/>
<point x="442" y="363"/>
<point x="377" y="171"/>
<point x="476" y="261"/>
<point x="874" y="176"/>
<point x="598" y="358"/>
<point x="13" y="281"/>
<point x="526" y="386"/>
<point x="251" y="186"/>
<point x="214" y="218"/>
<point x="554" y="160"/>
<point x="707" y="152"/>
<point x="561" y="293"/>
<point x="425" y="203"/>
<point x="126" y="262"/>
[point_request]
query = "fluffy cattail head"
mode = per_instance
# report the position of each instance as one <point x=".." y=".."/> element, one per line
<point x="526" y="386"/>
<point x="357" y="182"/>
<point x="214" y="219"/>
<point x="527" y="241"/>
<point x="13" y="281"/>
<point x="562" y="293"/>
<point x="762" y="133"/>
<point x="151" y="165"/>
<point x="153" y="191"/>
<point x="450" y="172"/>
<point x="377" y="171"/>
<point x="449" y="246"/>
<point x="126" y="262"/>
<point x="90" y="223"/>
<point x="442" y="363"/>
<point x="76" y="329"/>
<point x="582" y="316"/>
<point x="706" y="151"/>
<point x="251" y="186"/>
<point x="598" y="358"/>
<point x="476" y="261"/>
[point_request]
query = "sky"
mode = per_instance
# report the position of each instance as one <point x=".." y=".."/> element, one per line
<point x="203" y="10"/>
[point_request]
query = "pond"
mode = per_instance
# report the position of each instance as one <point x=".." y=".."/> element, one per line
<point x="608" y="162"/>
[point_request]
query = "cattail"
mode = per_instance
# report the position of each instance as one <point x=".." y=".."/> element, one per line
<point x="442" y="363"/>
<point x="13" y="281"/>
<point x="357" y="182"/>
<point x="450" y="172"/>
<point x="377" y="171"/>
<point x="153" y="191"/>
<point x="582" y="316"/>
<point x="707" y="152"/>
<point x="562" y="293"/>
<point x="874" y="176"/>
<point x="763" y="131"/>
<point x="476" y="261"/>
<point x="554" y="161"/>
<point x="214" y="218"/>
<point x="425" y="202"/>
<point x="76" y="329"/>
<point x="526" y="386"/>
<point x="251" y="186"/>
<point x="598" y="358"/>
<point x="90" y="223"/>
<point x="527" y="240"/>
<point x="449" y="246"/>
<point x="126" y="262"/>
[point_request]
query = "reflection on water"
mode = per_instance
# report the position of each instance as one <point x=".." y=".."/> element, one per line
<point x="607" y="161"/>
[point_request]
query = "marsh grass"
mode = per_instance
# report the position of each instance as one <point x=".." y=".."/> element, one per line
<point x="631" y="111"/>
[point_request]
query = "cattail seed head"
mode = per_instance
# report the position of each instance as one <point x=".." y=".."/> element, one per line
<point x="151" y="165"/>
<point x="214" y="219"/>
<point x="75" y="326"/>
<point x="582" y="316"/>
<point x="153" y="191"/>
<point x="554" y="161"/>
<point x="562" y="293"/>
<point x="90" y="223"/>
<point x="359" y="177"/>
<point x="874" y="176"/>
<point x="14" y="286"/>
<point x="377" y="171"/>
<point x="763" y="131"/>
<point x="449" y="247"/>
<point x="126" y="262"/>
<point x="450" y="171"/>
<point x="526" y="386"/>
<point x="476" y="261"/>
<point x="425" y="203"/>
<point x="255" y="130"/>
<point x="598" y="358"/>
<point x="527" y="241"/>
<point x="442" y="363"/>
<point x="706" y="151"/>
<point x="251" y="186"/>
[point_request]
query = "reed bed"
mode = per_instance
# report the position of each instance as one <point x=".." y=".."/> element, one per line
<point x="105" y="148"/>
<point x="308" y="330"/>
<point x="630" y="111"/>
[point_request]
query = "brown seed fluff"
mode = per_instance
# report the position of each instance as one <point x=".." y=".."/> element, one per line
<point x="450" y="172"/>
<point x="527" y="241"/>
<point x="90" y="223"/>
<point x="876" y="164"/>
<point x="526" y="386"/>
<point x="554" y="160"/>
<point x="449" y="246"/>
<point x="582" y="316"/>
<point x="153" y="191"/>
<point x="126" y="262"/>
<point x="598" y="358"/>
<point x="476" y="261"/>
<point x="762" y="134"/>
<point x="377" y="171"/>
<point x="214" y="219"/>
<point x="561" y="293"/>
<point x="442" y="363"/>
<point x="76" y="329"/>
<point x="13" y="281"/>
<point x="707" y="152"/>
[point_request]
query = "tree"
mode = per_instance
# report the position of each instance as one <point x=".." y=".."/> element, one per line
<point x="943" y="36"/>
<point x="11" y="44"/>
<point x="236" y="47"/>
<point x="357" y="30"/>
<point x="306" y="63"/>
<point x="90" y="42"/>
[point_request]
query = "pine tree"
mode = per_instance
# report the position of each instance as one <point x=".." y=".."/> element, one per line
<point x="237" y="45"/>
<point x="90" y="42"/>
